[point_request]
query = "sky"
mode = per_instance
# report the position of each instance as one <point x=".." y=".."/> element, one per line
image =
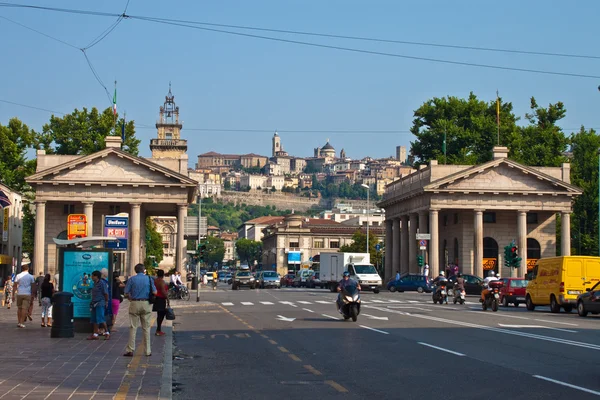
<point x="229" y="82"/>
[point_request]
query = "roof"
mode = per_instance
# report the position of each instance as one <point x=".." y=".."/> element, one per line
<point x="268" y="220"/>
<point x="327" y="146"/>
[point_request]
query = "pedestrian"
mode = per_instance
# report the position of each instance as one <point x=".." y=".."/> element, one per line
<point x="397" y="275"/>
<point x="116" y="297"/>
<point x="38" y="282"/>
<point x="205" y="280"/>
<point x="426" y="270"/>
<point x="57" y="281"/>
<point x="108" y="316"/>
<point x="24" y="291"/>
<point x="98" y="306"/>
<point x="160" y="303"/>
<point x="46" y="292"/>
<point x="138" y="290"/>
<point x="8" y="292"/>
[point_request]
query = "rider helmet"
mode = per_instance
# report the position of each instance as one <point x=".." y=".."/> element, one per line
<point x="441" y="273"/>
<point x="458" y="275"/>
<point x="346" y="273"/>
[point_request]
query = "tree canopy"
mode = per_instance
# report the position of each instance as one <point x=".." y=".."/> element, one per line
<point x="154" y="245"/>
<point x="359" y="245"/>
<point x="15" y="139"/>
<point x="215" y="250"/>
<point x="248" y="250"/>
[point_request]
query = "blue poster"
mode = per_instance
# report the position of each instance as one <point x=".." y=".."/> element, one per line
<point x="77" y="277"/>
<point x="294" y="257"/>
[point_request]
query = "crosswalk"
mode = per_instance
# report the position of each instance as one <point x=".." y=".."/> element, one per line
<point x="329" y="302"/>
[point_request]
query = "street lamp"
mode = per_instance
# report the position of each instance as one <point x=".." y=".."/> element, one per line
<point x="368" y="210"/>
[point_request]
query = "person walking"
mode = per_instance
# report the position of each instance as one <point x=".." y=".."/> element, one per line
<point x="138" y="290"/>
<point x="46" y="292"/>
<point x="116" y="297"/>
<point x="8" y="292"/>
<point x="98" y="306"/>
<point x="38" y="283"/>
<point x="24" y="291"/>
<point x="160" y="303"/>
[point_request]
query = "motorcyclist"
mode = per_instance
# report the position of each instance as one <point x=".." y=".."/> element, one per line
<point x="486" y="285"/>
<point x="440" y="282"/>
<point x="215" y="278"/>
<point x="460" y="285"/>
<point x="177" y="283"/>
<point x="346" y="281"/>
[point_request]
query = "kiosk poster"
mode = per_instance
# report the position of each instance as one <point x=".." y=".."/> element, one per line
<point x="76" y="276"/>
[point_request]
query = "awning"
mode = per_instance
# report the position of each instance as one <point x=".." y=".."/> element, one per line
<point x="4" y="201"/>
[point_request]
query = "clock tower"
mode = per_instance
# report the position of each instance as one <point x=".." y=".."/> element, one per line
<point x="169" y="143"/>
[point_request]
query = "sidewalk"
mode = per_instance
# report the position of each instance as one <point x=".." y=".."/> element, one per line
<point x="34" y="366"/>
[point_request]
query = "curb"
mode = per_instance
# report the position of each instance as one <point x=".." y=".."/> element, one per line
<point x="166" y="388"/>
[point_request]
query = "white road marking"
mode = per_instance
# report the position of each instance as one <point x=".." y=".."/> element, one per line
<point x="496" y="314"/>
<point x="395" y="301"/>
<point x="289" y="303"/>
<point x="282" y="318"/>
<point x="325" y="302"/>
<point x="556" y="322"/>
<point x="567" y="385"/>
<point x="329" y="316"/>
<point x="413" y="307"/>
<point x="377" y="301"/>
<point x="306" y="309"/>
<point x="413" y="301"/>
<point x="537" y="327"/>
<point x="227" y="304"/>
<point x="247" y="303"/>
<point x="304" y="302"/>
<point x="374" y="330"/>
<point x="374" y="317"/>
<point x="266" y="303"/>
<point x="441" y="349"/>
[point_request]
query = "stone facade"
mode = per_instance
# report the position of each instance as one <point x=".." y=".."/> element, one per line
<point x="11" y="233"/>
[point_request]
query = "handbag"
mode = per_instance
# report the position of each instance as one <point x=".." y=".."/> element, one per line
<point x="151" y="296"/>
<point x="169" y="313"/>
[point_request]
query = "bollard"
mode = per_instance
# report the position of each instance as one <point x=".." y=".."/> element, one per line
<point x="62" y="316"/>
<point x="194" y="283"/>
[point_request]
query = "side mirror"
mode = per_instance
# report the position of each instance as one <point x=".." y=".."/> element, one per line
<point x="588" y="289"/>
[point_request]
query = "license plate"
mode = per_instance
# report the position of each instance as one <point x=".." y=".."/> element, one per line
<point x="573" y="292"/>
<point x="521" y="298"/>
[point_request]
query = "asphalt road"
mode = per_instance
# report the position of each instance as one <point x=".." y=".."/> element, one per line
<point x="292" y="343"/>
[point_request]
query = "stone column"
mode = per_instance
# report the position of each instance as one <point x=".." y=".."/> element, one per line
<point x="413" y="268"/>
<point x="434" y="244"/>
<point x="88" y="210"/>
<point x="396" y="249"/>
<point x="521" y="242"/>
<point x="423" y="228"/>
<point x="389" y="249"/>
<point x="404" y="245"/>
<point x="181" y="253"/>
<point x="478" y="243"/>
<point x="39" y="241"/>
<point x="135" y="244"/>
<point x="565" y="234"/>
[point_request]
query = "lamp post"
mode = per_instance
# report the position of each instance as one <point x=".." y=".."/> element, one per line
<point x="368" y="211"/>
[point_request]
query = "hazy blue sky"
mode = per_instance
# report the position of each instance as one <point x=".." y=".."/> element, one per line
<point x="230" y="82"/>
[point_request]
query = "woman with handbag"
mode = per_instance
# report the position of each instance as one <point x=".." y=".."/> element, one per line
<point x="160" y="303"/>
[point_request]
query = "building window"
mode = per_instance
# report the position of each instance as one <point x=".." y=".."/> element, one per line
<point x="455" y="218"/>
<point x="334" y="244"/>
<point x="489" y="217"/>
<point x="294" y="243"/>
<point x="68" y="209"/>
<point x="318" y="244"/>
<point x="166" y="245"/>
<point x="114" y="209"/>
<point x="532" y="218"/>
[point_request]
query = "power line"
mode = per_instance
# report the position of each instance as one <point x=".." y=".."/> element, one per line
<point x="39" y="32"/>
<point x="32" y="107"/>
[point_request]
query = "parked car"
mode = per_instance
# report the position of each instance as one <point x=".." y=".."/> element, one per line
<point x="228" y="279"/>
<point x="589" y="301"/>
<point x="303" y="276"/>
<point x="513" y="291"/>
<point x="222" y="276"/>
<point x="410" y="283"/>
<point x="267" y="279"/>
<point x="315" y="281"/>
<point x="287" y="280"/>
<point x="473" y="284"/>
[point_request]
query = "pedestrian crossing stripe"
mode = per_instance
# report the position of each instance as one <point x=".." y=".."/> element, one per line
<point x="304" y="302"/>
<point x="227" y="304"/>
<point x="266" y="303"/>
<point x="377" y="301"/>
<point x="247" y="303"/>
<point x="324" y="302"/>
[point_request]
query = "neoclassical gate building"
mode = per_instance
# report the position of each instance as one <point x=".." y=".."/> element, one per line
<point x="472" y="212"/>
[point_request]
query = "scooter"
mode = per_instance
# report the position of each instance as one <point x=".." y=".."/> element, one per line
<point x="439" y="294"/>
<point x="459" y="295"/>
<point x="349" y="302"/>
<point x="492" y="298"/>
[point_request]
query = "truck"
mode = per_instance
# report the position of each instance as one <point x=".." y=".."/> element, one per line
<point x="333" y="266"/>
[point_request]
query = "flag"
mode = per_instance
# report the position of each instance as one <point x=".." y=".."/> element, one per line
<point x="115" y="102"/>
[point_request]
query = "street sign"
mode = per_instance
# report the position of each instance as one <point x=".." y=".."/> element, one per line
<point x="422" y="247"/>
<point x="76" y="226"/>
<point x="378" y="247"/>
<point x="118" y="227"/>
<point x="422" y="243"/>
<point x="423" y="236"/>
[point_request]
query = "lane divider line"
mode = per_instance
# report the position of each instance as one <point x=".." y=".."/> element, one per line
<point x="313" y="370"/>
<point x="329" y="316"/>
<point x="556" y="322"/>
<point x="306" y="309"/>
<point x="273" y="342"/>
<point x="337" y="386"/>
<point x="441" y="349"/>
<point x="536" y="327"/>
<point x="294" y="357"/>
<point x="567" y="385"/>
<point x="374" y="330"/>
<point x="283" y="349"/>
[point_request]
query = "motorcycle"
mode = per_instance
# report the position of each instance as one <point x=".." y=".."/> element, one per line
<point x="439" y="294"/>
<point x="214" y="284"/>
<point x="459" y="295"/>
<point x="492" y="298"/>
<point x="349" y="302"/>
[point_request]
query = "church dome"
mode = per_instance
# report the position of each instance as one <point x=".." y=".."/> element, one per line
<point x="327" y="147"/>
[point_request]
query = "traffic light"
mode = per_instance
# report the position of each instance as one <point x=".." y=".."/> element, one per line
<point x="508" y="255"/>
<point x="420" y="261"/>
<point x="515" y="259"/>
<point x="201" y="252"/>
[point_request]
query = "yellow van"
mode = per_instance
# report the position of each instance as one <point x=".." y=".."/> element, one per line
<point x="557" y="281"/>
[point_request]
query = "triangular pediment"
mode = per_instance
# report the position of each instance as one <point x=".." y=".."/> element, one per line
<point x="111" y="166"/>
<point x="502" y="176"/>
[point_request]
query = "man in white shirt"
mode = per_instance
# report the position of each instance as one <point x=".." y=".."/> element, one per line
<point x="486" y="284"/>
<point x="24" y="291"/>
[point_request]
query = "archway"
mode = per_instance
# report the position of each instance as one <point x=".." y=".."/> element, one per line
<point x="490" y="255"/>
<point x="534" y="253"/>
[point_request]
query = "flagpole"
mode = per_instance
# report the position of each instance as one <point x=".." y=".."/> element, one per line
<point x="445" y="144"/>
<point x="115" y="108"/>
<point x="498" y="115"/>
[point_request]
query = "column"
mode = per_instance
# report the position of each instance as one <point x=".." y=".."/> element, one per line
<point x="423" y="228"/>
<point x="413" y="268"/>
<point x="396" y="250"/>
<point x="39" y="239"/>
<point x="389" y="250"/>
<point x="88" y="210"/>
<point x="522" y="243"/>
<point x="404" y="245"/>
<point x="565" y="233"/>
<point x="434" y="244"/>
<point x="135" y="244"/>
<point x="478" y="239"/>
<point x="181" y="214"/>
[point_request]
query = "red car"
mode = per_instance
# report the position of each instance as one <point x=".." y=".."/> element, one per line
<point x="287" y="280"/>
<point x="513" y="291"/>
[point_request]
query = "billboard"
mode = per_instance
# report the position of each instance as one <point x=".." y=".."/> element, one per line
<point x="76" y="226"/>
<point x="116" y="226"/>
<point x="294" y="257"/>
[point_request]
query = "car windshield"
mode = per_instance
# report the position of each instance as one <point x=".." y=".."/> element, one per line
<point x="365" y="269"/>
<point x="243" y="273"/>
<point x="519" y="283"/>
<point x="269" y="274"/>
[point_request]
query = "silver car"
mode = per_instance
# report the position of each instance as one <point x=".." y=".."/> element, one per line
<point x="268" y="279"/>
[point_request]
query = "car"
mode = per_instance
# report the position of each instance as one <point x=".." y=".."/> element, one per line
<point x="513" y="291"/>
<point x="268" y="279"/>
<point x="222" y="275"/>
<point x="287" y="280"/>
<point x="303" y="277"/>
<point x="589" y="302"/>
<point x="473" y="284"/>
<point x="410" y="283"/>
<point x="243" y="278"/>
<point x="314" y="281"/>
<point x="228" y="279"/>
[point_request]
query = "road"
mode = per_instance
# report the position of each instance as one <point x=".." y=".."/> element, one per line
<point x="292" y="343"/>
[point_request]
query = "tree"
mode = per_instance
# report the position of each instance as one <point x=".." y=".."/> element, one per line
<point x="584" y="174"/>
<point x="470" y="127"/>
<point x="248" y="250"/>
<point x="215" y="250"/>
<point x="83" y="132"/>
<point x="154" y="245"/>
<point x="227" y="185"/>
<point x="359" y="245"/>
<point x="15" y="139"/>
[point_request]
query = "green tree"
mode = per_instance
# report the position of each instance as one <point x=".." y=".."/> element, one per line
<point x="83" y="132"/>
<point x="15" y="139"/>
<point x="470" y="126"/>
<point x="584" y="174"/>
<point x="215" y="250"/>
<point x="359" y="245"/>
<point x="154" y="245"/>
<point x="248" y="250"/>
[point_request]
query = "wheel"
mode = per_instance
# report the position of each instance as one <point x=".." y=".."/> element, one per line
<point x="420" y="289"/>
<point x="375" y="291"/>
<point x="441" y="301"/>
<point x="568" y="308"/>
<point x="494" y="305"/>
<point x="505" y="301"/>
<point x="529" y="304"/>
<point x="462" y="302"/>
<point x="516" y="304"/>
<point x="484" y="306"/>
<point x="392" y="289"/>
<point x="434" y="299"/>
<point x="234" y="287"/>
<point x="354" y="312"/>
<point x="581" y="309"/>
<point x="185" y="296"/>
<point x="455" y="301"/>
<point x="554" y="306"/>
